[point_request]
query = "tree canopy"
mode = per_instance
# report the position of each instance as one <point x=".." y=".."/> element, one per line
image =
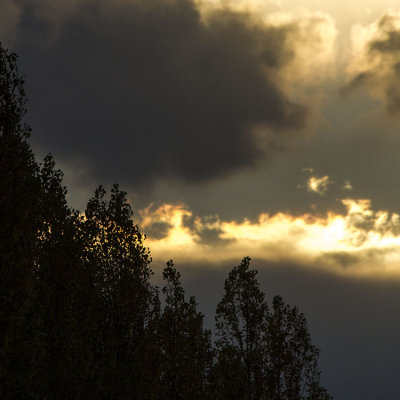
<point x="80" y="317"/>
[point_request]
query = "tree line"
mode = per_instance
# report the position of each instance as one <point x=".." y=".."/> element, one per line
<point x="81" y="319"/>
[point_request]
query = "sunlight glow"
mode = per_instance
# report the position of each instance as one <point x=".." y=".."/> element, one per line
<point x="360" y="242"/>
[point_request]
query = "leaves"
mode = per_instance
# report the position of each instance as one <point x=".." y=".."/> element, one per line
<point x="185" y="346"/>
<point x="266" y="354"/>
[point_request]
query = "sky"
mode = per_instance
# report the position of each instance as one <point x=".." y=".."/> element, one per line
<point x="257" y="128"/>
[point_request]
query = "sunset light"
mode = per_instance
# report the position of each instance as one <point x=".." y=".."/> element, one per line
<point x="361" y="242"/>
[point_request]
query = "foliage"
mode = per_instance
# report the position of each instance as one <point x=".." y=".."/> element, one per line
<point x="262" y="354"/>
<point x="126" y="301"/>
<point x="241" y="324"/>
<point x="186" y="354"/>
<point x="81" y="319"/>
<point x="292" y="361"/>
<point x="19" y="224"/>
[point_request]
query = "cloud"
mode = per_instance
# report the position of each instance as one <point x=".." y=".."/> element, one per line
<point x="148" y="90"/>
<point x="318" y="185"/>
<point x="359" y="242"/>
<point x="165" y="220"/>
<point x="347" y="185"/>
<point x="157" y="222"/>
<point x="158" y="229"/>
<point x="341" y="258"/>
<point x="206" y="231"/>
<point x="376" y="59"/>
<point x="313" y="36"/>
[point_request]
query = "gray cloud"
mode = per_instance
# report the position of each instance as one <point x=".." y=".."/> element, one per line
<point x="342" y="258"/>
<point x="158" y="229"/>
<point x="207" y="232"/>
<point x="356" y="261"/>
<point x="148" y="90"/>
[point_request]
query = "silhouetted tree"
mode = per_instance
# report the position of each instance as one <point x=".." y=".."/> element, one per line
<point x="292" y="360"/>
<point x="40" y="269"/>
<point x="114" y="251"/>
<point x="186" y="354"/>
<point x="65" y="295"/>
<point x="20" y="221"/>
<point x="262" y="354"/>
<point x="241" y="325"/>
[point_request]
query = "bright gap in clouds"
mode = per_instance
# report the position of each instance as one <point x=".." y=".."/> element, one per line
<point x="361" y="242"/>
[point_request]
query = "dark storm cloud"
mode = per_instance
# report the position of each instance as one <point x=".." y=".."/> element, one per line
<point x="148" y="89"/>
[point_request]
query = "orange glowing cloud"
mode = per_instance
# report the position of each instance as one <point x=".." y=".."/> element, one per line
<point x="359" y="242"/>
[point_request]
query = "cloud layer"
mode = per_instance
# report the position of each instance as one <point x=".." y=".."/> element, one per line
<point x="359" y="242"/>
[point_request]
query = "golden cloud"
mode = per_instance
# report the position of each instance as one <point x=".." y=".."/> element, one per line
<point x="313" y="37"/>
<point x="359" y="242"/>
<point x="375" y="61"/>
<point x="318" y="185"/>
